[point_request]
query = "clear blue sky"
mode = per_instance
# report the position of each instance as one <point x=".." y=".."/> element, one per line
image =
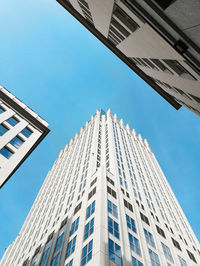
<point x="53" y="64"/>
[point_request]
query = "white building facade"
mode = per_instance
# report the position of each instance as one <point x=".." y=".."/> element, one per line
<point x="21" y="130"/>
<point x="105" y="202"/>
<point x="158" y="39"/>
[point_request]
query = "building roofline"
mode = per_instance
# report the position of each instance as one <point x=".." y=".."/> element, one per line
<point x="117" y="52"/>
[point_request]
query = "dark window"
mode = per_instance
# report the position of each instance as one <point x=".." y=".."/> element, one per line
<point x="164" y="3"/>
<point x="26" y="132"/>
<point x="195" y="98"/>
<point x="63" y="222"/>
<point x="180" y="46"/>
<point x="78" y="207"/>
<point x="6" y="152"/>
<point x="12" y="121"/>
<point x="120" y="28"/>
<point x="93" y="182"/>
<point x="144" y="218"/>
<point x="191" y="256"/>
<point x="110" y="181"/>
<point x="149" y="63"/>
<point x="111" y="192"/>
<point x="179" y="69"/>
<point x="160" y="231"/>
<point x="1" y="110"/>
<point x="17" y="142"/>
<point x="128" y="205"/>
<point x="159" y="64"/>
<point x="25" y="263"/>
<point x="3" y="130"/>
<point x="125" y="19"/>
<point x="37" y="251"/>
<point x="50" y="237"/>
<point x="176" y="244"/>
<point x="91" y="193"/>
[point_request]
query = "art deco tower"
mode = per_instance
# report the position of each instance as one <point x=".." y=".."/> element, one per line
<point x="106" y="202"/>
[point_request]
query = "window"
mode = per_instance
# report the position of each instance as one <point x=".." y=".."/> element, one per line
<point x="110" y="181"/>
<point x="63" y="222"/>
<point x="144" y="218"/>
<point x="78" y="207"/>
<point x="26" y="132"/>
<point x="191" y="256"/>
<point x="131" y="223"/>
<point x="1" y="110"/>
<point x="90" y="209"/>
<point x="182" y="261"/>
<point x="164" y="3"/>
<point x="179" y="69"/>
<point x="111" y="192"/>
<point x="154" y="258"/>
<point x="160" y="231"/>
<point x="12" y="121"/>
<point x="114" y="252"/>
<point x="50" y="237"/>
<point x="134" y="244"/>
<point x="16" y="142"/>
<point x="93" y="182"/>
<point x="71" y="247"/>
<point x="6" y="152"/>
<point x="113" y="227"/>
<point x="195" y="98"/>
<point x="55" y="260"/>
<point x="89" y="228"/>
<point x="176" y="244"/>
<point x="70" y="263"/>
<point x="87" y="253"/>
<point x="112" y="208"/>
<point x="159" y="64"/>
<point x="167" y="252"/>
<point x="125" y="19"/>
<point x="74" y="226"/>
<point x="44" y="257"/>
<point x="128" y="205"/>
<point x="3" y="130"/>
<point x="149" y="238"/>
<point x="91" y="193"/>
<point x="59" y="242"/>
<point x="149" y="63"/>
<point x="136" y="262"/>
<point x="37" y="251"/>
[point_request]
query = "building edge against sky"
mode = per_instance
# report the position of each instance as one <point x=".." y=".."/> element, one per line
<point x="159" y="40"/>
<point x="105" y="201"/>
<point x="21" y="131"/>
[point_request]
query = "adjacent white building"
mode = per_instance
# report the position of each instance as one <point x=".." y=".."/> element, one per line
<point x="21" y="130"/>
<point x="105" y="202"/>
<point x="158" y="39"/>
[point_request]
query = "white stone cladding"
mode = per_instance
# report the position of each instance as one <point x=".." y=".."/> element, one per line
<point x="104" y="161"/>
<point x="149" y="42"/>
<point x="12" y="136"/>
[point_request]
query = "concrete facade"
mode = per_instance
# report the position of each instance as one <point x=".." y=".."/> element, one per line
<point x="105" y="202"/>
<point x="159" y="40"/>
<point x="21" y="130"/>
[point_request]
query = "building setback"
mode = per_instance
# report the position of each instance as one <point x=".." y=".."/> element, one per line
<point x="106" y="202"/>
<point x="21" y="131"/>
<point x="158" y="39"/>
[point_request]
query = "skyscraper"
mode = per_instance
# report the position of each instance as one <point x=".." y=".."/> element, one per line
<point x="106" y="202"/>
<point x="158" y="39"/>
<point x="21" y="131"/>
